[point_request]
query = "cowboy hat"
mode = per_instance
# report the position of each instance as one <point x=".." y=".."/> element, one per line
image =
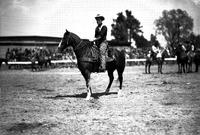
<point x="100" y="17"/>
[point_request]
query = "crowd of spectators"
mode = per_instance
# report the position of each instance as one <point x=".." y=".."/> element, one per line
<point x="136" y="53"/>
<point x="19" y="54"/>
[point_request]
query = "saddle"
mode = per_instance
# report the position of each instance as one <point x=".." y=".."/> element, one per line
<point x="91" y="53"/>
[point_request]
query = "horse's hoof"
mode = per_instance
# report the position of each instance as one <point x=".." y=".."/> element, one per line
<point x="107" y="91"/>
<point x="88" y="98"/>
<point x="120" y="94"/>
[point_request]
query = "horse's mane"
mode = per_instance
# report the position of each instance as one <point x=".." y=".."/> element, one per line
<point x="85" y="49"/>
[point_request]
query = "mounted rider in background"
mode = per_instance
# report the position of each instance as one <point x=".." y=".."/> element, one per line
<point x="155" y="49"/>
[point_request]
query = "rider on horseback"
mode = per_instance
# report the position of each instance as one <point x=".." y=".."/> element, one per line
<point x="100" y="41"/>
<point x="155" y="49"/>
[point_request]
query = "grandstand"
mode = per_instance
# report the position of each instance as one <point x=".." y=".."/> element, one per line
<point x="28" y="42"/>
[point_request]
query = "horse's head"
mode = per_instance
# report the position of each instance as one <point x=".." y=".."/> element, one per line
<point x="65" y="42"/>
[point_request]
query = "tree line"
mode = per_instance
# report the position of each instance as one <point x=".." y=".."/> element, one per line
<point x="175" y="25"/>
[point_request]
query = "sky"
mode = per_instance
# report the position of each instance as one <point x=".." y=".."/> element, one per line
<point x="53" y="17"/>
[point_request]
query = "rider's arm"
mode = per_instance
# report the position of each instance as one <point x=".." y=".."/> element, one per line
<point x="154" y="49"/>
<point x="183" y="47"/>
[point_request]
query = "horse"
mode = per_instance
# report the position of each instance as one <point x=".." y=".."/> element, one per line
<point x="148" y="62"/>
<point x="182" y="59"/>
<point x="196" y="60"/>
<point x="190" y="61"/>
<point x="159" y="59"/>
<point x="88" y="62"/>
<point x="42" y="60"/>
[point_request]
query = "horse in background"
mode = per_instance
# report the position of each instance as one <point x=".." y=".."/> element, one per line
<point x="149" y="61"/>
<point x="196" y="60"/>
<point x="159" y="59"/>
<point x="42" y="58"/>
<point x="190" y="54"/>
<point x="182" y="58"/>
<point x="193" y="55"/>
<point x="88" y="61"/>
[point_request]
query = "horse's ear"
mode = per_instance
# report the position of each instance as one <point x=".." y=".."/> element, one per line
<point x="67" y="32"/>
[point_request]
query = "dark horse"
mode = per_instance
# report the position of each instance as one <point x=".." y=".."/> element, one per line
<point x="87" y="56"/>
<point x="196" y="60"/>
<point x="159" y="59"/>
<point x="41" y="60"/>
<point x="182" y="59"/>
<point x="191" y="55"/>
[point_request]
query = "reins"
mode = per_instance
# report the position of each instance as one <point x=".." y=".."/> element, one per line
<point x="78" y="46"/>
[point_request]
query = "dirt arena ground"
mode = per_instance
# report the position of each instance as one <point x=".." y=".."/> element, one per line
<point x="52" y="103"/>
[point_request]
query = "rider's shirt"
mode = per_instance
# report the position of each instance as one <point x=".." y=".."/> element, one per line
<point x="155" y="49"/>
<point x="100" y="31"/>
<point x="159" y="55"/>
<point x="192" y="48"/>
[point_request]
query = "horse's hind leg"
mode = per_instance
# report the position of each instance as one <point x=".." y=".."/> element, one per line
<point x="196" y="67"/>
<point x="179" y="68"/>
<point x="183" y="68"/>
<point x="111" y="78"/>
<point x="146" y="64"/>
<point x="120" y="75"/>
<point x="149" y="68"/>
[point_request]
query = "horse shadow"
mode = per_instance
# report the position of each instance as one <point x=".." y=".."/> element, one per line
<point x="82" y="95"/>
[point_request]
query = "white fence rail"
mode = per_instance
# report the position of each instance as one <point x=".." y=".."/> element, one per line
<point x="74" y="61"/>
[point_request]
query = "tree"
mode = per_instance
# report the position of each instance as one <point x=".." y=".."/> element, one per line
<point x="126" y="27"/>
<point x="175" y="26"/>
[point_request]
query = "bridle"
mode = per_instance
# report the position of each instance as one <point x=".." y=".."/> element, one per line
<point x="62" y="41"/>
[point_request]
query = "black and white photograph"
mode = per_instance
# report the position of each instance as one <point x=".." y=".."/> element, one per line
<point x="99" y="67"/>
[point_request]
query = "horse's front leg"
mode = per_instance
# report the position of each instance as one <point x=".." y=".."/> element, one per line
<point x="86" y="75"/>
<point x="149" y="68"/>
<point x="146" y="65"/>
<point x="161" y="68"/>
<point x="89" y="89"/>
